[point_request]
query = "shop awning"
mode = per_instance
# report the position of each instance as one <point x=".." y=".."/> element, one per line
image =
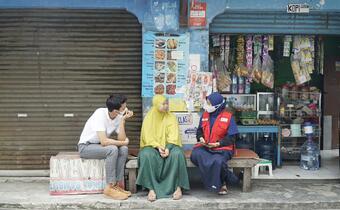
<point x="276" y="22"/>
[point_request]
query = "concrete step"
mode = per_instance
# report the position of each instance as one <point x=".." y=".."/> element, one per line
<point x="266" y="194"/>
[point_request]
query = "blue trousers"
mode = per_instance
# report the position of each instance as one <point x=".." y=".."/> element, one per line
<point x="213" y="167"/>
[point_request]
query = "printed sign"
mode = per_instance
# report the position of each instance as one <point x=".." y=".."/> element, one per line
<point x="165" y="64"/>
<point x="188" y="124"/>
<point x="197" y="17"/>
<point x="297" y="8"/>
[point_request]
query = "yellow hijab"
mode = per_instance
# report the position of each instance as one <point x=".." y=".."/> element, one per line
<point x="159" y="128"/>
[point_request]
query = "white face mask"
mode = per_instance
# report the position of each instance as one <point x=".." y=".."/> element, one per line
<point x="123" y="112"/>
<point x="210" y="108"/>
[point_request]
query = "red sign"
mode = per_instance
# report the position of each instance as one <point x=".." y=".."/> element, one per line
<point x="197" y="16"/>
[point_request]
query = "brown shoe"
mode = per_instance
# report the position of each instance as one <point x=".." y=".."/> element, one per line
<point x="124" y="191"/>
<point x="114" y="193"/>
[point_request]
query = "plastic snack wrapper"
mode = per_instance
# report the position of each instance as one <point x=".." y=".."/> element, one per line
<point x="257" y="72"/>
<point x="267" y="78"/>
<point x="223" y="79"/>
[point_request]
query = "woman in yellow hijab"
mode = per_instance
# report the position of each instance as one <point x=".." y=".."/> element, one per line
<point x="162" y="164"/>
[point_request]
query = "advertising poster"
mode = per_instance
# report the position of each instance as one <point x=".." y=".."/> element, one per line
<point x="197" y="16"/>
<point x="165" y="64"/>
<point x="188" y="124"/>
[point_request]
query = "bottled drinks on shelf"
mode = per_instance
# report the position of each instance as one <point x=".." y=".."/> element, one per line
<point x="234" y="84"/>
<point x="240" y="85"/>
<point x="247" y="86"/>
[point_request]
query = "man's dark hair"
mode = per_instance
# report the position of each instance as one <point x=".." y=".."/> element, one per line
<point x="115" y="101"/>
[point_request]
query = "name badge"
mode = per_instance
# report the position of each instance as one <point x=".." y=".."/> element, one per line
<point x="204" y="119"/>
<point x="224" y="119"/>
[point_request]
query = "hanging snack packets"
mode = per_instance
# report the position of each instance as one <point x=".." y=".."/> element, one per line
<point x="249" y="53"/>
<point x="216" y="40"/>
<point x="226" y="50"/>
<point x="222" y="41"/>
<point x="240" y="69"/>
<point x="265" y="48"/>
<point x="223" y="79"/>
<point x="286" y="45"/>
<point x="257" y="72"/>
<point x="301" y="59"/>
<point x="257" y="44"/>
<point x="271" y="43"/>
<point x="267" y="72"/>
<point x="240" y="50"/>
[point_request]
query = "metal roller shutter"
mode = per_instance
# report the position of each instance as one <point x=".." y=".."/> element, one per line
<point x="59" y="63"/>
<point x="276" y="22"/>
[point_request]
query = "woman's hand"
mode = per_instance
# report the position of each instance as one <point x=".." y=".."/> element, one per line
<point x="166" y="153"/>
<point x="163" y="152"/>
<point x="202" y="141"/>
<point x="212" y="145"/>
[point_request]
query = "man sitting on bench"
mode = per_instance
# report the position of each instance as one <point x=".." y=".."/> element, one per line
<point x="95" y="142"/>
<point x="215" y="136"/>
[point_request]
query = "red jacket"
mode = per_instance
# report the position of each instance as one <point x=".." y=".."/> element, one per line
<point x="219" y="129"/>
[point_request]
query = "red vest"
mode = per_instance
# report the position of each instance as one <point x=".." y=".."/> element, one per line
<point x="219" y="129"/>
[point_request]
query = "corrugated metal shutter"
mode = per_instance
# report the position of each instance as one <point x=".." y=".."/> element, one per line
<point x="276" y="22"/>
<point x="55" y="63"/>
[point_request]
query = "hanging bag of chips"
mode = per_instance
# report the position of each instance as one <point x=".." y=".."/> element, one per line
<point x="223" y="79"/>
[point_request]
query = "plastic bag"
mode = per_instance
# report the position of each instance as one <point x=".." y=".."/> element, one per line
<point x="241" y="70"/>
<point x="165" y="15"/>
<point x="223" y="79"/>
<point x="268" y="72"/>
<point x="257" y="72"/>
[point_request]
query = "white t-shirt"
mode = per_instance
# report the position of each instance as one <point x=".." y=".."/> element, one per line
<point x="99" y="121"/>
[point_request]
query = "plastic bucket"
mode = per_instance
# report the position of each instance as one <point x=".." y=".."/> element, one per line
<point x="295" y="130"/>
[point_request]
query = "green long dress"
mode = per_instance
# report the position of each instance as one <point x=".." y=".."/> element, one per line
<point x="163" y="175"/>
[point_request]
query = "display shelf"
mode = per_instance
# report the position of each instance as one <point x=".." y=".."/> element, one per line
<point x="294" y="107"/>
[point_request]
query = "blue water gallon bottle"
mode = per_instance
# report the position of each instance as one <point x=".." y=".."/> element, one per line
<point x="310" y="151"/>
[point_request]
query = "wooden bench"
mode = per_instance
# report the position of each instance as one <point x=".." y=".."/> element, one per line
<point x="243" y="159"/>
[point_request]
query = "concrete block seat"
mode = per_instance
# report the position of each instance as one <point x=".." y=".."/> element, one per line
<point x="70" y="174"/>
<point x="243" y="159"/>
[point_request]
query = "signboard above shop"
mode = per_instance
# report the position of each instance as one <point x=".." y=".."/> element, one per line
<point x="197" y="14"/>
<point x="297" y="8"/>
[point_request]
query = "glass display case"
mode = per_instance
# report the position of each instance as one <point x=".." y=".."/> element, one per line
<point x="244" y="106"/>
<point x="241" y="102"/>
<point x="265" y="105"/>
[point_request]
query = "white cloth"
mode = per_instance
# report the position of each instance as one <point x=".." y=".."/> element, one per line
<point x="99" y="121"/>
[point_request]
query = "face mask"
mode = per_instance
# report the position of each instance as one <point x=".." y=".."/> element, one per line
<point x="211" y="108"/>
<point x="123" y="112"/>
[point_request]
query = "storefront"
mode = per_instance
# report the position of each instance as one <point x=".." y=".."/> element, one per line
<point x="257" y="60"/>
<point x="57" y="67"/>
